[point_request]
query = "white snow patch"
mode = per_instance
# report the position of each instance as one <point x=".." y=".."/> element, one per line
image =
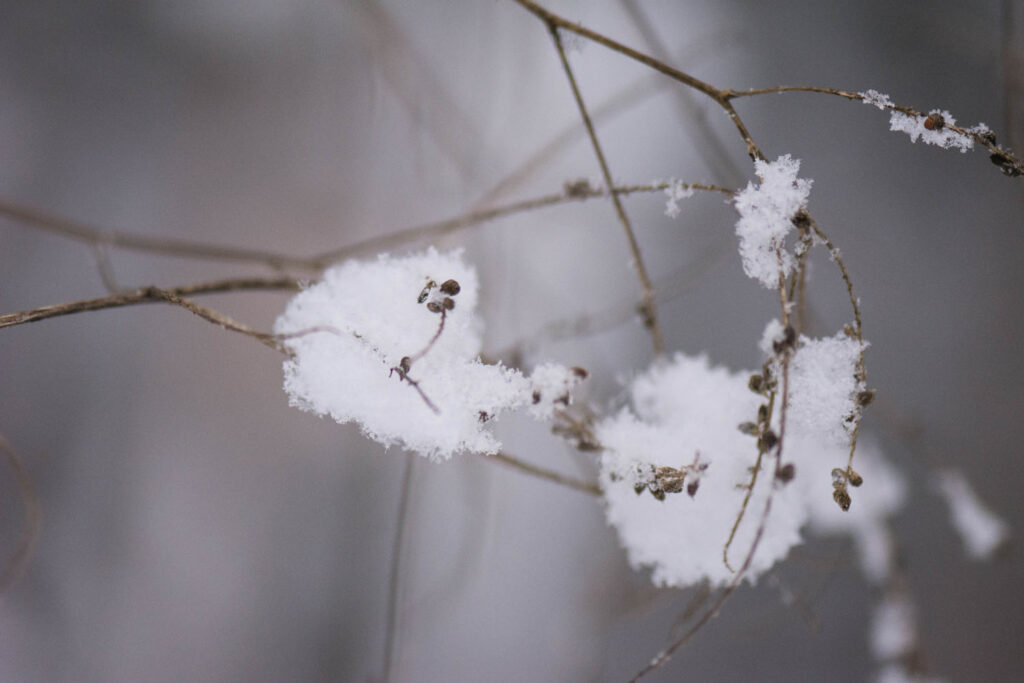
<point x="766" y="218"/>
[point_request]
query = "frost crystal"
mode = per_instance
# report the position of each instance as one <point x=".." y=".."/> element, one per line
<point x="880" y="100"/>
<point x="675" y="191"/>
<point x="917" y="127"/>
<point x="362" y="351"/>
<point x="687" y="407"/>
<point x="981" y="531"/>
<point x="766" y="218"/>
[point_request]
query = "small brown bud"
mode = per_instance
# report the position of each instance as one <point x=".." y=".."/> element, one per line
<point x="658" y="493"/>
<point x="854" y="478"/>
<point x="768" y="440"/>
<point x="691" y="488"/>
<point x="434" y="307"/>
<point x="536" y="397"/>
<point x="762" y="413"/>
<point x="756" y="383"/>
<point x="580" y="372"/>
<point x="934" y="121"/>
<point x="639" y="488"/>
<point x="842" y="498"/>
<point x="448" y="303"/>
<point x="749" y="428"/>
<point x="787" y="472"/>
<point x="865" y="398"/>
<point x="450" y="287"/>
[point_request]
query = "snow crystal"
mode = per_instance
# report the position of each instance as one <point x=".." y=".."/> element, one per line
<point x="880" y="100"/>
<point x="824" y="386"/>
<point x="766" y="218"/>
<point x="915" y="127"/>
<point x="376" y="343"/>
<point x="676" y="191"/>
<point x="981" y="531"/>
<point x="686" y="407"/>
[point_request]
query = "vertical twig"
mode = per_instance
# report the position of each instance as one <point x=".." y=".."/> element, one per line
<point x="16" y="564"/>
<point x="647" y="308"/>
<point x="394" y="580"/>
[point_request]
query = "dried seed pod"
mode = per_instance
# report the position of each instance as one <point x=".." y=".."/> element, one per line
<point x="838" y="477"/>
<point x="434" y="307"/>
<point x="786" y="473"/>
<point x="448" y="303"/>
<point x="842" y="498"/>
<point x="669" y="479"/>
<point x="580" y="372"/>
<point x="450" y="287"/>
<point x="691" y="488"/>
<point x="425" y="292"/>
<point x="756" y="383"/>
<point x="768" y="440"/>
<point x="658" y="493"/>
<point x="639" y="488"/>
<point x="934" y="121"/>
<point x="854" y="478"/>
<point x="749" y="428"/>
<point x="865" y="398"/>
<point x="762" y="413"/>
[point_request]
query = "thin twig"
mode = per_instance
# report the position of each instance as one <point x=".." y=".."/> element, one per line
<point x="394" y="580"/>
<point x="15" y="565"/>
<point x="174" y="296"/>
<point x="534" y="470"/>
<point x="89" y="234"/>
<point x="649" y="313"/>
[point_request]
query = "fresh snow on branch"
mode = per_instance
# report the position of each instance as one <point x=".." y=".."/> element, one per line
<point x="766" y="218"/>
<point x="383" y="344"/>
<point x="685" y="410"/>
<point x="933" y="129"/>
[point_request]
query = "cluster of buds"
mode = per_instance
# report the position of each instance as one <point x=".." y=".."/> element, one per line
<point x="840" y="479"/>
<point x="663" y="479"/>
<point x="439" y="298"/>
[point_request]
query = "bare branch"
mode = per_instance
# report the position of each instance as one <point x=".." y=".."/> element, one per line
<point x="17" y="562"/>
<point x="649" y="312"/>
<point x="175" y="296"/>
<point x="527" y="468"/>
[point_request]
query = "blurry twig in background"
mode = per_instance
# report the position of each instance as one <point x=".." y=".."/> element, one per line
<point x="15" y="565"/>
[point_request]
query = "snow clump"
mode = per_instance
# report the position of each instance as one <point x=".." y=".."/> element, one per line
<point x="383" y="344"/>
<point x="766" y="218"/>
<point x="684" y="411"/>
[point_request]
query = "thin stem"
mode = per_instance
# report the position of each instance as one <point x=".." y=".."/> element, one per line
<point x="175" y="296"/>
<point x="17" y="562"/>
<point x="534" y="470"/>
<point x="394" y="580"/>
<point x="662" y="657"/>
<point x="83" y="232"/>
<point x="861" y="368"/>
<point x="649" y="313"/>
<point x="555" y="21"/>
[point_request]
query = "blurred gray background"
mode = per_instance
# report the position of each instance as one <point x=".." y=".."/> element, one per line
<point x="197" y="528"/>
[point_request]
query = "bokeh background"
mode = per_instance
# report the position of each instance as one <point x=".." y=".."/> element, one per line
<point x="195" y="527"/>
